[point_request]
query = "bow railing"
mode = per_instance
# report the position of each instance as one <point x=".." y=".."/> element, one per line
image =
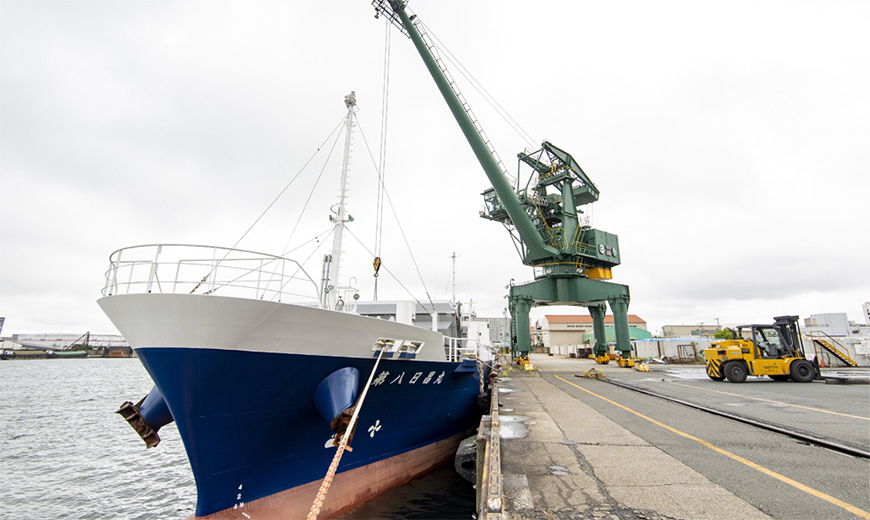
<point x="197" y="269"/>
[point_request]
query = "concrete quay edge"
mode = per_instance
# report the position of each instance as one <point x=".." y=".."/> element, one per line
<point x="561" y="459"/>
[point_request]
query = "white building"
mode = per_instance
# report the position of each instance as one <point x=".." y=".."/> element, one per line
<point x="835" y="330"/>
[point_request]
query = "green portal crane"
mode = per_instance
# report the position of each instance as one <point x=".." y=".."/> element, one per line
<point x="571" y="259"/>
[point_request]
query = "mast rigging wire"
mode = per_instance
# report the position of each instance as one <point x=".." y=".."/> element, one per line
<point x="316" y="249"/>
<point x="398" y="221"/>
<point x="263" y="213"/>
<point x="325" y="234"/>
<point x="319" y="176"/>
<point x="387" y="269"/>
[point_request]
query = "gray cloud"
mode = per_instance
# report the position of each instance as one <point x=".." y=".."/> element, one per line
<point x="729" y="143"/>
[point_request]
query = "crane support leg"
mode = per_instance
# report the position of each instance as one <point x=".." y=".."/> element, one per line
<point x="597" y="312"/>
<point x="522" y="343"/>
<point x="620" y="325"/>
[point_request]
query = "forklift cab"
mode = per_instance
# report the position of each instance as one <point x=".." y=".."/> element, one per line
<point x="782" y="339"/>
<point x="767" y="342"/>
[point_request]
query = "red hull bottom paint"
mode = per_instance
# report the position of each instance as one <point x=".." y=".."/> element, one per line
<point x="348" y="489"/>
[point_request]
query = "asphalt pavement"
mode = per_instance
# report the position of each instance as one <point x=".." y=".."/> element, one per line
<point x="583" y="448"/>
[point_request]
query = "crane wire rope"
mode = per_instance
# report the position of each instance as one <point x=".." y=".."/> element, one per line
<point x="269" y="207"/>
<point x="382" y="156"/>
<point x="382" y="151"/>
<point x="476" y="85"/>
<point x="398" y="221"/>
<point x="387" y="269"/>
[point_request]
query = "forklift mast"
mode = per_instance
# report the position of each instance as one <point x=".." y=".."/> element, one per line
<point x="790" y="332"/>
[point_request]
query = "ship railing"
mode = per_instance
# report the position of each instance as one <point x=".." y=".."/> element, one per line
<point x="197" y="269"/>
<point x="458" y="349"/>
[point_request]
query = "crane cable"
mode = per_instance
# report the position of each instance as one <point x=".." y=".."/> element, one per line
<point x="476" y="85"/>
<point x="382" y="157"/>
<point x="401" y="229"/>
<point x="360" y="242"/>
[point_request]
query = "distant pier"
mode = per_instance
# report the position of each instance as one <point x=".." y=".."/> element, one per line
<point x="64" y="346"/>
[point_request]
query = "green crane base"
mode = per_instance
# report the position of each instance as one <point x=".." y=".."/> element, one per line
<point x="571" y="290"/>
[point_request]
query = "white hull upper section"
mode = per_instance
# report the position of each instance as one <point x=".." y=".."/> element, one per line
<point x="228" y="323"/>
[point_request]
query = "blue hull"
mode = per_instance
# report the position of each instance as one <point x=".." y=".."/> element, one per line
<point x="250" y="426"/>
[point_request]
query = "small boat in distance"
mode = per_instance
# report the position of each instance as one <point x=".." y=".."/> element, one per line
<point x="257" y="379"/>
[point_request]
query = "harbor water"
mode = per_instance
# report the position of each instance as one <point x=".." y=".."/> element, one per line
<point x="66" y="454"/>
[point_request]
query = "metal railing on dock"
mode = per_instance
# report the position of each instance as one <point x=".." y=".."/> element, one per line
<point x="827" y="343"/>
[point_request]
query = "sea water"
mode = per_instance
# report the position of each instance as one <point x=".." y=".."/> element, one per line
<point x="64" y="453"/>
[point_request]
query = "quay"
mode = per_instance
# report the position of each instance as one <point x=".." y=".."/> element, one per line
<point x="571" y="447"/>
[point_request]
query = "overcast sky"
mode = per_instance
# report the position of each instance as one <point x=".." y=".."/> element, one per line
<point x="730" y="142"/>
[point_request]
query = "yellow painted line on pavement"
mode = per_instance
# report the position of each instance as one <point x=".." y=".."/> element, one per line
<point x="770" y="401"/>
<point x="782" y="478"/>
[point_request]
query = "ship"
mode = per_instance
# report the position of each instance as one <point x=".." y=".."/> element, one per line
<point x="266" y="387"/>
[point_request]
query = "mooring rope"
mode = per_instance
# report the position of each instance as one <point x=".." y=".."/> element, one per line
<point x="330" y="474"/>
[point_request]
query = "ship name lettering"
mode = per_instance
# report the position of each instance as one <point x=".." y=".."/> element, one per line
<point x="414" y="379"/>
<point x="399" y="379"/>
<point x="381" y="378"/>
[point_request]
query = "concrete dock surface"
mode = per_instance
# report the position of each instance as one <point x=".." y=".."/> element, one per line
<point x="561" y="459"/>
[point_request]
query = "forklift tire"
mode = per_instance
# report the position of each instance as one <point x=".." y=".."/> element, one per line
<point x="735" y="372"/>
<point x="802" y="371"/>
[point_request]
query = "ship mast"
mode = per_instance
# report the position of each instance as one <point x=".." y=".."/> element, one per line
<point x="333" y="261"/>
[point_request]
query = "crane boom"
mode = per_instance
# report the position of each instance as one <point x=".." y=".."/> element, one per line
<point x="574" y="258"/>
<point x="546" y="216"/>
<point x="534" y="243"/>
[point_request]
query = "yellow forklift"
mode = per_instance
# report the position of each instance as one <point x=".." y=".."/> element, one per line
<point x="774" y="350"/>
